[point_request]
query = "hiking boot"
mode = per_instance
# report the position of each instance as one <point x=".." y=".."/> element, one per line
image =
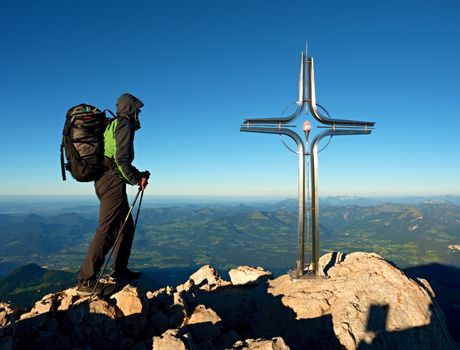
<point x="88" y="287"/>
<point x="124" y="274"/>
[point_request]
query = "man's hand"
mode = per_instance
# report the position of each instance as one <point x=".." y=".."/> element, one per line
<point x="143" y="183"/>
<point x="144" y="180"/>
<point x="145" y="174"/>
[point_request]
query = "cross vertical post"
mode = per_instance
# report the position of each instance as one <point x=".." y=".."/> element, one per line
<point x="334" y="127"/>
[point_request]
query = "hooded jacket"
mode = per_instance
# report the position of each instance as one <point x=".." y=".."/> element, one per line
<point x="119" y="138"/>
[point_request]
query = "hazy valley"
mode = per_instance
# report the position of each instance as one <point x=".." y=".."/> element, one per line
<point x="227" y="235"/>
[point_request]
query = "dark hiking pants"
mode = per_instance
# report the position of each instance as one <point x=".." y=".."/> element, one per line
<point x="111" y="191"/>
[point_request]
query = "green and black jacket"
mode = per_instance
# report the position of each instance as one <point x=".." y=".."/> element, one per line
<point x="119" y="139"/>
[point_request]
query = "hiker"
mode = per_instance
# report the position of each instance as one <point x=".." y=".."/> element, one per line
<point x="114" y="207"/>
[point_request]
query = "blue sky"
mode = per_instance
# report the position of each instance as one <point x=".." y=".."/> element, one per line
<point x="201" y="67"/>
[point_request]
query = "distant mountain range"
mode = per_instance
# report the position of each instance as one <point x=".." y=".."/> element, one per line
<point x="227" y="235"/>
<point x="372" y="201"/>
<point x="24" y="284"/>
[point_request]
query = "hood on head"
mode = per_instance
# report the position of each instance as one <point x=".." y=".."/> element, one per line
<point x="128" y="105"/>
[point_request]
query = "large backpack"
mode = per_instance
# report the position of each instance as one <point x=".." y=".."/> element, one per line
<point x="83" y="142"/>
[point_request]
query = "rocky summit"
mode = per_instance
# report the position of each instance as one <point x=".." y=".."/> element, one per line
<point x="361" y="302"/>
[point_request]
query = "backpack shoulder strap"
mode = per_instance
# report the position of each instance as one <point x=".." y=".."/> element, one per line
<point x="108" y="110"/>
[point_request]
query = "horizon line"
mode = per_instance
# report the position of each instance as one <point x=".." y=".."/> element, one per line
<point x="242" y="196"/>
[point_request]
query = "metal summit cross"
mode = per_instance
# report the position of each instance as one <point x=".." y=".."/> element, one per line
<point x="334" y="127"/>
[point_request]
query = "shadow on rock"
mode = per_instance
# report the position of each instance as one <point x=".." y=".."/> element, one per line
<point x="445" y="281"/>
<point x="412" y="338"/>
<point x="253" y="313"/>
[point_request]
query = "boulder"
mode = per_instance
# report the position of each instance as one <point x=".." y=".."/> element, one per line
<point x="133" y="304"/>
<point x="169" y="340"/>
<point x="248" y="275"/>
<point x="167" y="308"/>
<point x="177" y="311"/>
<point x="47" y="304"/>
<point x="368" y="300"/>
<point x="131" y="301"/>
<point x="188" y="286"/>
<point x="67" y="298"/>
<point x="276" y="343"/>
<point x="207" y="278"/>
<point x="157" y="295"/>
<point x="31" y="322"/>
<point x="161" y="299"/>
<point x="8" y="315"/>
<point x="94" y="321"/>
<point x="204" y="324"/>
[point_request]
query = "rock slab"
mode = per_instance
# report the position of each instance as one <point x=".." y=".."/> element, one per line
<point x="370" y="301"/>
<point x="362" y="302"/>
<point x="248" y="275"/>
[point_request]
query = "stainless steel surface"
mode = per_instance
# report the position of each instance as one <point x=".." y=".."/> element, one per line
<point x="335" y="127"/>
<point x="314" y="189"/>
<point x="300" y="262"/>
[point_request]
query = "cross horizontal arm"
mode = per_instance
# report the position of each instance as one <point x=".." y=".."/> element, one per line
<point x="342" y="122"/>
<point x="277" y="120"/>
<point x="293" y="135"/>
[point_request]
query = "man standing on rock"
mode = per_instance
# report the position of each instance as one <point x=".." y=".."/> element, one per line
<point x="114" y="207"/>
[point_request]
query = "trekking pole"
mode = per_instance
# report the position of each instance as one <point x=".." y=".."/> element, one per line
<point x="138" y="208"/>
<point x="118" y="237"/>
